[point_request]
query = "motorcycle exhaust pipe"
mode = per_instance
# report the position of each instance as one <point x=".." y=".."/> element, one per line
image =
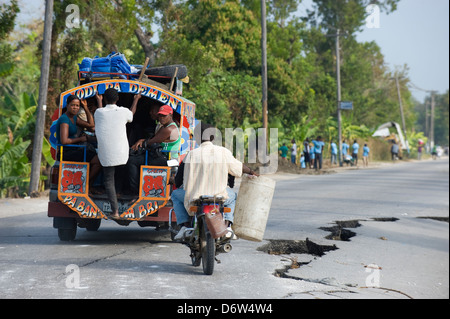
<point x="225" y="248"/>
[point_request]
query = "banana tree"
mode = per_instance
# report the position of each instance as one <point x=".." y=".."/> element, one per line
<point x="299" y="131"/>
<point x="16" y="131"/>
<point x="14" y="165"/>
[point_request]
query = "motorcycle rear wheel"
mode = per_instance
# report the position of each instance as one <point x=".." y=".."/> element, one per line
<point x="208" y="248"/>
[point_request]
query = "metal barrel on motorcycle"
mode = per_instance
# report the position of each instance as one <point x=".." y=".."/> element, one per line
<point x="252" y="207"/>
<point x="214" y="220"/>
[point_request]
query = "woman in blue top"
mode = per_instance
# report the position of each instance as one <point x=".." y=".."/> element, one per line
<point x="66" y="134"/>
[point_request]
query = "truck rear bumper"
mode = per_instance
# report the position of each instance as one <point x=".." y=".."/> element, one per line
<point x="58" y="209"/>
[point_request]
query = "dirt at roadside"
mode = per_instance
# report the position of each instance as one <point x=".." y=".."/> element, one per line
<point x="285" y="166"/>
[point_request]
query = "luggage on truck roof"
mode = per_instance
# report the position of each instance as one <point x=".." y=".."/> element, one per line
<point x="113" y="63"/>
<point x="116" y="66"/>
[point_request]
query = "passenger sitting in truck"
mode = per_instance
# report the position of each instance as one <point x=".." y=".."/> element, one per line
<point x="93" y="104"/>
<point x="167" y="134"/>
<point x="145" y="122"/>
<point x="66" y="134"/>
<point x="167" y="137"/>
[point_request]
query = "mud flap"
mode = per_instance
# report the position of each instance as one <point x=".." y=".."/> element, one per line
<point x="154" y="193"/>
<point x="73" y="191"/>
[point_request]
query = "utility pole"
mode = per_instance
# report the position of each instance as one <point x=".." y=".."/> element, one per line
<point x="338" y="76"/>
<point x="401" y="110"/>
<point x="430" y="133"/>
<point x="433" y="105"/>
<point x="43" y="86"/>
<point x="338" y="80"/>
<point x="427" y="129"/>
<point x="264" y="65"/>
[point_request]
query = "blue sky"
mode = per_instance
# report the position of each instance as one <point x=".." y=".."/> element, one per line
<point x="417" y="34"/>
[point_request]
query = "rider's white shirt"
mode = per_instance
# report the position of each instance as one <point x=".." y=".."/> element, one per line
<point x="206" y="172"/>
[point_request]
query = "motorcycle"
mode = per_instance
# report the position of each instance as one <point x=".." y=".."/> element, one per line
<point x="208" y="236"/>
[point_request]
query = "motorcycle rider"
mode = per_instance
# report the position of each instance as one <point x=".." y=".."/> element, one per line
<point x="206" y="172"/>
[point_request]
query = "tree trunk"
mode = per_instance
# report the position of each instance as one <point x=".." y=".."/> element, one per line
<point x="147" y="46"/>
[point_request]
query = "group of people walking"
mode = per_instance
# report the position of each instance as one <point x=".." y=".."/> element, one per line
<point x="312" y="154"/>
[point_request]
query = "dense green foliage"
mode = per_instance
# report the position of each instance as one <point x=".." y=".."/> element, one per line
<point x="219" y="42"/>
<point x="8" y="15"/>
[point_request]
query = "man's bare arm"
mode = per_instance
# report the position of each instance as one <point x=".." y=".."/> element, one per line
<point x="248" y="170"/>
<point x="135" y="102"/>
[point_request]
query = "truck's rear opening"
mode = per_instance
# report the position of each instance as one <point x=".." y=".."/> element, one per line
<point x="75" y="203"/>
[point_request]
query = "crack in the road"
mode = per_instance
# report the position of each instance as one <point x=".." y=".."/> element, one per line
<point x="104" y="258"/>
<point x="384" y="219"/>
<point x="287" y="247"/>
<point x="119" y="253"/>
<point x="313" y="293"/>
<point x="280" y="247"/>
<point x="440" y="219"/>
<point x="338" y="232"/>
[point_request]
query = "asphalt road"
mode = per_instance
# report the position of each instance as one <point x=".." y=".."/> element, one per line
<point x="377" y="246"/>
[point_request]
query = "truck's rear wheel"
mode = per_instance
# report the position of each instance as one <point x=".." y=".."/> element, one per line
<point x="93" y="224"/>
<point x="67" y="228"/>
<point x="67" y="234"/>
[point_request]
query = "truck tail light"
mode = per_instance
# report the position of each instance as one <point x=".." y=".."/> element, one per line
<point x="54" y="176"/>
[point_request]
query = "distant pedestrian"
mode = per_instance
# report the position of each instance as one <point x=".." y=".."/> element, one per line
<point x="366" y="151"/>
<point x="284" y="151"/>
<point x="318" y="149"/>
<point x="434" y="153"/>
<point x="394" y="151"/>
<point x="302" y="161"/>
<point x="312" y="156"/>
<point x="306" y="152"/>
<point x="345" y="148"/>
<point x="293" y="152"/>
<point x="334" y="152"/>
<point x="355" y="150"/>
<point x="419" y="150"/>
